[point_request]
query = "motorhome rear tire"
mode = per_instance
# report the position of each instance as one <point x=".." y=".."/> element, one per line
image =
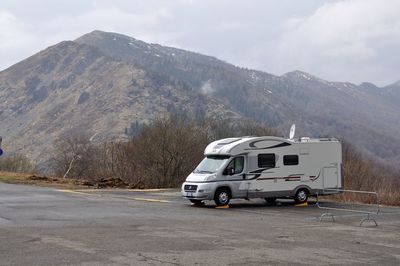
<point x="301" y="195"/>
<point x="222" y="196"/>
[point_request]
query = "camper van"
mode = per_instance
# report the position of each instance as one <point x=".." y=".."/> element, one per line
<point x="266" y="167"/>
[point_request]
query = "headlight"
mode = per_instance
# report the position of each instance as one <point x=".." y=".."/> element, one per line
<point x="211" y="177"/>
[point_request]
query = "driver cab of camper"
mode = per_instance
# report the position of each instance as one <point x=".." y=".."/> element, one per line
<point x="235" y="167"/>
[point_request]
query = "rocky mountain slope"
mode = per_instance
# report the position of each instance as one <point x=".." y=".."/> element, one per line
<point x="362" y="114"/>
<point x="102" y="82"/>
<point x="75" y="88"/>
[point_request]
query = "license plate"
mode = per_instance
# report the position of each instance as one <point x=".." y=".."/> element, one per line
<point x="190" y="194"/>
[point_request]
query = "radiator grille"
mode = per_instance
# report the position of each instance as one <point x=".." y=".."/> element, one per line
<point x="190" y="187"/>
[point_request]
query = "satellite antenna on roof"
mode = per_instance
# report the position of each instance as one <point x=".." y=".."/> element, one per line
<point x="292" y="131"/>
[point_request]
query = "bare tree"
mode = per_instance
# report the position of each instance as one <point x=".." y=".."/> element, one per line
<point x="74" y="156"/>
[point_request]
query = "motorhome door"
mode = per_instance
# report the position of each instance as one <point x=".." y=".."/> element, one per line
<point x="234" y="170"/>
<point x="330" y="177"/>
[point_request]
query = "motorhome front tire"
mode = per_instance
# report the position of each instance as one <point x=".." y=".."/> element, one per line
<point x="222" y="196"/>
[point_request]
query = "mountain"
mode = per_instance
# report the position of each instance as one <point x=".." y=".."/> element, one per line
<point x="391" y="93"/>
<point x="363" y="114"/>
<point x="75" y="88"/>
<point x="103" y="82"/>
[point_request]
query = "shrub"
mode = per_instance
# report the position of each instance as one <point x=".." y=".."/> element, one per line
<point x="17" y="163"/>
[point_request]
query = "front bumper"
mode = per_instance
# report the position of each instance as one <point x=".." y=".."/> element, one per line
<point x="198" y="191"/>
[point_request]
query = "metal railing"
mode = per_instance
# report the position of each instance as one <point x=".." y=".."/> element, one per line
<point x="341" y="205"/>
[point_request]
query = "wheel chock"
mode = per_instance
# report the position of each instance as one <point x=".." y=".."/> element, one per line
<point x="305" y="204"/>
<point x="222" y="207"/>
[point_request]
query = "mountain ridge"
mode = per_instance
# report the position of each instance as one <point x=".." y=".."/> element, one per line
<point x="136" y="80"/>
<point x="69" y="79"/>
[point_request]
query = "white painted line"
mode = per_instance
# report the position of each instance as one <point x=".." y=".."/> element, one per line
<point x="113" y="196"/>
<point x="151" y="200"/>
<point x="73" y="191"/>
<point x="124" y="189"/>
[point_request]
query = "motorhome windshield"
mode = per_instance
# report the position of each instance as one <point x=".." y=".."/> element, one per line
<point x="211" y="164"/>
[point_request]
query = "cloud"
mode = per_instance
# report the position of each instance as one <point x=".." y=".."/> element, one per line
<point x="114" y="19"/>
<point x="350" y="40"/>
<point x="207" y="88"/>
<point x="339" y="39"/>
<point x="22" y="36"/>
<point x="14" y="38"/>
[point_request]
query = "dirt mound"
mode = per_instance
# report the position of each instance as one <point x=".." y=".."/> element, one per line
<point x="56" y="180"/>
<point x="42" y="178"/>
<point x="111" y="182"/>
<point x="106" y="182"/>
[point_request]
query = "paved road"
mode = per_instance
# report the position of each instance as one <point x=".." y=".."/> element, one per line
<point x="45" y="226"/>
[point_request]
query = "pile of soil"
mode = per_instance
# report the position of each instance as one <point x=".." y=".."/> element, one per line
<point x="42" y="178"/>
<point x="60" y="180"/>
<point x="110" y="182"/>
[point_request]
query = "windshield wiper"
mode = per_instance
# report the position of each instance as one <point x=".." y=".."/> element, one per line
<point x="202" y="172"/>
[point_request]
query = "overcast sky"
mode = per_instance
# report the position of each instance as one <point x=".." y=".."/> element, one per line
<point x="354" y="40"/>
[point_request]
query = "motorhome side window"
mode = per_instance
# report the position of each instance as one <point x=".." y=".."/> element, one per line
<point x="290" y="159"/>
<point x="266" y="160"/>
<point x="235" y="166"/>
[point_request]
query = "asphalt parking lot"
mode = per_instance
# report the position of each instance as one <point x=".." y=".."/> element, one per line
<point x="46" y="226"/>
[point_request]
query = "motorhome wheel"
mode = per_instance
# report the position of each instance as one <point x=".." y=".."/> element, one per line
<point x="301" y="195"/>
<point x="222" y="197"/>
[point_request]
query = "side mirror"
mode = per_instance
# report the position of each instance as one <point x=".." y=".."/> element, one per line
<point x="229" y="171"/>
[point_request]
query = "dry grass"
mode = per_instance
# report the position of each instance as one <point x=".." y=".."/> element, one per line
<point x="9" y="177"/>
<point x="349" y="197"/>
<point x="386" y="196"/>
<point x="30" y="179"/>
<point x="389" y="196"/>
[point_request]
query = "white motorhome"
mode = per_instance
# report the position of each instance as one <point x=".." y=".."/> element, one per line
<point x="265" y="167"/>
